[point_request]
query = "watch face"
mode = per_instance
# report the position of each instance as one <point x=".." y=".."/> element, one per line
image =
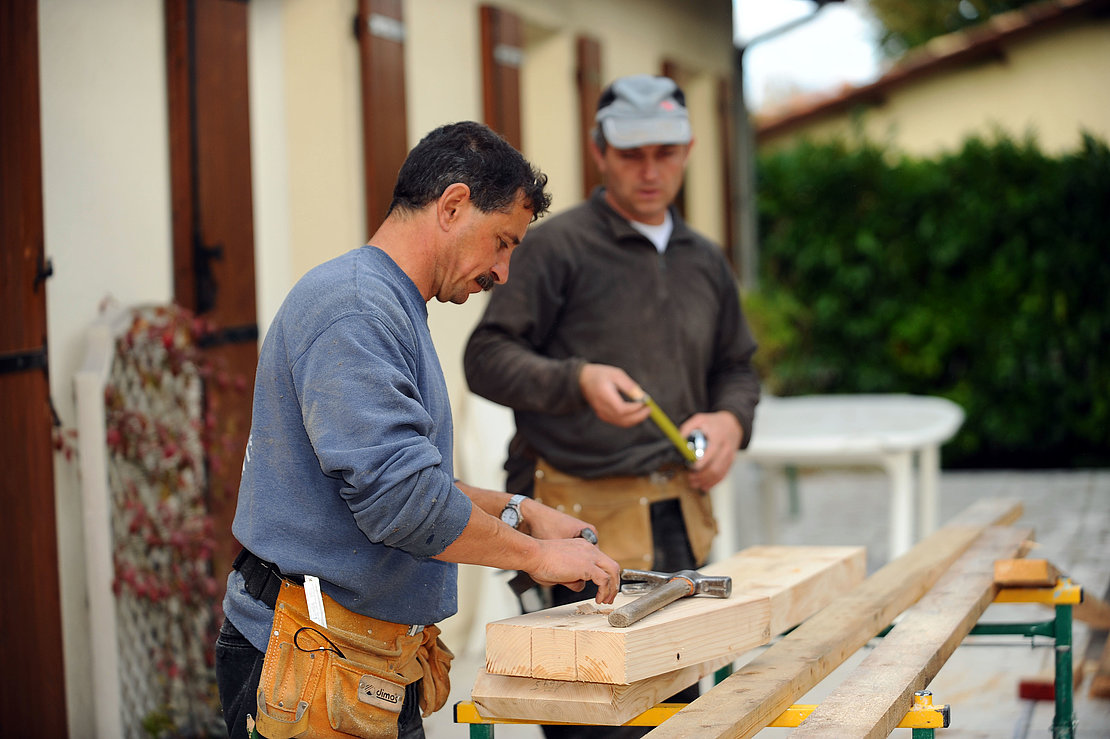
<point x="511" y="516"/>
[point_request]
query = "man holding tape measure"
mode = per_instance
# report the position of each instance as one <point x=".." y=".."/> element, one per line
<point x="618" y="318"/>
<point x="349" y="515"/>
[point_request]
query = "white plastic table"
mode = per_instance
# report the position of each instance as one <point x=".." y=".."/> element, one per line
<point x="900" y="433"/>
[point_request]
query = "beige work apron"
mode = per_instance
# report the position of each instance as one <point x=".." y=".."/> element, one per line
<point x="619" y="507"/>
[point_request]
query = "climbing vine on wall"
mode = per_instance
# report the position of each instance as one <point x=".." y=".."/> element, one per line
<point x="167" y="597"/>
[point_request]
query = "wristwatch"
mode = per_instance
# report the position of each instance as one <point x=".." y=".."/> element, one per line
<point x="510" y="514"/>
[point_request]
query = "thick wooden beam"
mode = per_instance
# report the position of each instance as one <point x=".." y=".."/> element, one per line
<point x="872" y="700"/>
<point x="562" y="701"/>
<point x="752" y="697"/>
<point x="1100" y="681"/>
<point x="773" y="589"/>
<point x="1025" y="573"/>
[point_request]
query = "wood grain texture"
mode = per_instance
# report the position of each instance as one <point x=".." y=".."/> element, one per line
<point x="774" y="588"/>
<point x="1025" y="573"/>
<point x="875" y="696"/>
<point x="752" y="697"/>
<point x="562" y="701"/>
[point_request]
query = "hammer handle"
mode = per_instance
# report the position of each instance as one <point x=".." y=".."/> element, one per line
<point x="651" y="602"/>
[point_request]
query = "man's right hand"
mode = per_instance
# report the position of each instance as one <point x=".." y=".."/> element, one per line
<point x="607" y="389"/>
<point x="574" y="562"/>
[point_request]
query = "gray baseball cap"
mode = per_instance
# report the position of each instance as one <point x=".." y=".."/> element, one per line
<point x="643" y="109"/>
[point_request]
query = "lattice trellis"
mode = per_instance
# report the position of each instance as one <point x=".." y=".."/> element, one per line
<point x="166" y="597"/>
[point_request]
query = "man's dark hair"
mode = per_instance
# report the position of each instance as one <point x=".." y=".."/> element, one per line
<point x="475" y="155"/>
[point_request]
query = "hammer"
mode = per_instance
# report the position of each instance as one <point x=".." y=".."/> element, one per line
<point x="662" y="588"/>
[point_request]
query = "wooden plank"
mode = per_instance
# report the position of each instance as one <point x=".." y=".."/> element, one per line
<point x="790" y="594"/>
<point x="1097" y="657"/>
<point x="562" y="701"/>
<point x="755" y="695"/>
<point x="1025" y="573"/>
<point x="872" y="700"/>
<point x="773" y="588"/>
<point x="1100" y="681"/>
<point x="1092" y="611"/>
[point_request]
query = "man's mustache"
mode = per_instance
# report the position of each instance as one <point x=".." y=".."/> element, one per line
<point x="486" y="281"/>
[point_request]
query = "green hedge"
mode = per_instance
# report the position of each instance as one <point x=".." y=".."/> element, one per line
<point x="982" y="276"/>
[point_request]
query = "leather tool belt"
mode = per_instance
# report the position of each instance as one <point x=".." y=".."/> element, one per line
<point x="620" y="509"/>
<point x="347" y="679"/>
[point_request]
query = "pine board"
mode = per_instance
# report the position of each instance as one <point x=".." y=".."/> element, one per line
<point x="751" y="698"/>
<point x="773" y="589"/>
<point x="562" y="701"/>
<point x="1025" y="573"/>
<point x="874" y="697"/>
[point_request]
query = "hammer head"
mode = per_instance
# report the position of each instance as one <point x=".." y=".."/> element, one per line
<point x="642" y="581"/>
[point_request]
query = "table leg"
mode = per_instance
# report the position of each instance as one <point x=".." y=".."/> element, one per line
<point x="769" y="477"/>
<point x="928" y="475"/>
<point x="899" y="465"/>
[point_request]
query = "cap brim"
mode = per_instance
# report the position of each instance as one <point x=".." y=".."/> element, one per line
<point x="629" y="133"/>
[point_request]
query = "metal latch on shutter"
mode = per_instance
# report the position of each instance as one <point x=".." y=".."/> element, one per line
<point x="23" y="361"/>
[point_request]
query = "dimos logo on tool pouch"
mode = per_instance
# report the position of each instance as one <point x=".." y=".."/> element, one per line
<point x="381" y="693"/>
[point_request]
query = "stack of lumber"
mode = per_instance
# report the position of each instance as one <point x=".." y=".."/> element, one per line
<point x="567" y="664"/>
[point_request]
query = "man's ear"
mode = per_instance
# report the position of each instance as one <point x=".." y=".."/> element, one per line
<point x="455" y="198"/>
<point x="595" y="152"/>
<point x="689" y="148"/>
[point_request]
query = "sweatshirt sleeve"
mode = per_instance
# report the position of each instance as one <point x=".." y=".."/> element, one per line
<point x="372" y="429"/>
<point x="504" y="360"/>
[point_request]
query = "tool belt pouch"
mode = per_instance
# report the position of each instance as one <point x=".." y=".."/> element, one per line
<point x="346" y="680"/>
<point x="701" y="526"/>
<point x="620" y="509"/>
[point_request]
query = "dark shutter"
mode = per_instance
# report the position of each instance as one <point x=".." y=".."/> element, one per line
<point x="213" y="230"/>
<point x="590" y="84"/>
<point x="502" y="57"/>
<point x="381" y="44"/>
<point x="33" y="701"/>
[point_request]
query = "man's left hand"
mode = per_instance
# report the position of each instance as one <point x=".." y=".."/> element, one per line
<point x="545" y="522"/>
<point x="724" y="434"/>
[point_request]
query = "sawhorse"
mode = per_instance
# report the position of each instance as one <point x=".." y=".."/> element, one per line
<point x="1062" y="597"/>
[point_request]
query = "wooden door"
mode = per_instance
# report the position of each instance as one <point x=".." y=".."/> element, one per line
<point x="33" y="700"/>
<point x="502" y="57"/>
<point x="381" y="43"/>
<point x="589" y="82"/>
<point x="213" y="231"/>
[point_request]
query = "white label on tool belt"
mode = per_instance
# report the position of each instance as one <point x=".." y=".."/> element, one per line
<point x="315" y="600"/>
<point x="381" y="693"/>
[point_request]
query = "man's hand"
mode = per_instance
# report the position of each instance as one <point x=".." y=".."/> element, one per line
<point x="607" y="389"/>
<point x="724" y="434"/>
<point x="574" y="562"/>
<point x="544" y="522"/>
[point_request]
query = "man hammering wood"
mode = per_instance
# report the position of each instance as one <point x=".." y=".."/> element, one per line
<point x="618" y="318"/>
<point x="348" y="511"/>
